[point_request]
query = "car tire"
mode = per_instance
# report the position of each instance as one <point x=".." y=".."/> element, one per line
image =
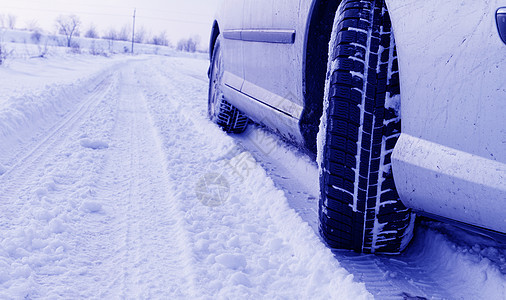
<point x="221" y="111"/>
<point x="359" y="207"/>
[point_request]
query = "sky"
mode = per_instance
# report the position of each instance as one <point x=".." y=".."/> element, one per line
<point x="179" y="18"/>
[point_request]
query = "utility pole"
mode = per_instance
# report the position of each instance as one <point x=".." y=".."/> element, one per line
<point x="133" y="33"/>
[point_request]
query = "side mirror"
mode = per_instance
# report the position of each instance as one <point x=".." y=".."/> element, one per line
<point x="501" y="23"/>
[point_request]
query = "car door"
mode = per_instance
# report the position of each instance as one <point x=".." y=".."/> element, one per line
<point x="272" y="56"/>
<point x="231" y="21"/>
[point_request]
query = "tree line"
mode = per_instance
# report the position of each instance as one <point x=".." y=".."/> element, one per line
<point x="71" y="26"/>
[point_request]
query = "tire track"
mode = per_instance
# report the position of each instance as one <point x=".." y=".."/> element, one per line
<point x="146" y="232"/>
<point x="15" y="182"/>
<point x="108" y="226"/>
<point x="231" y="235"/>
<point x="384" y="278"/>
<point x="414" y="273"/>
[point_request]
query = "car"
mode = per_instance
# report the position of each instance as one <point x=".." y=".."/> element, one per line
<point x="404" y="126"/>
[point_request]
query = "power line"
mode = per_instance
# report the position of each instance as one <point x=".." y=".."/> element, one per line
<point x="175" y="20"/>
<point x="64" y="11"/>
<point x="155" y="9"/>
<point x="108" y="15"/>
<point x="44" y="2"/>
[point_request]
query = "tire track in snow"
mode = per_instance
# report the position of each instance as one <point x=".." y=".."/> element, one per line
<point x="250" y="244"/>
<point x="416" y="272"/>
<point x="411" y="274"/>
<point x="106" y="226"/>
<point x="18" y="178"/>
<point x="156" y="241"/>
<point x="143" y="237"/>
<point x="383" y="277"/>
<point x="40" y="197"/>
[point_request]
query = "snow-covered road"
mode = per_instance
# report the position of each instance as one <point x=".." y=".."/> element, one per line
<point x="113" y="184"/>
<point x="130" y="192"/>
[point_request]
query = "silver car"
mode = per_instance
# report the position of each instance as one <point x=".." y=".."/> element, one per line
<point x="329" y="76"/>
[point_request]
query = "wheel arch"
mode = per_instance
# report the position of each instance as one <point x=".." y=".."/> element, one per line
<point x="318" y="30"/>
<point x="215" y="32"/>
<point x="317" y="38"/>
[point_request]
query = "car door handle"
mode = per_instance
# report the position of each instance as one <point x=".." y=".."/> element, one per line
<point x="501" y="23"/>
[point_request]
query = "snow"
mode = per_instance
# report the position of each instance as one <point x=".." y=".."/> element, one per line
<point x="423" y="270"/>
<point x="95" y="145"/>
<point x="232" y="261"/>
<point x="114" y="184"/>
<point x="103" y="162"/>
<point x="90" y="207"/>
<point x="456" y="262"/>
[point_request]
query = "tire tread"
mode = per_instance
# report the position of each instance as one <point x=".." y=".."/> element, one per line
<point x="365" y="215"/>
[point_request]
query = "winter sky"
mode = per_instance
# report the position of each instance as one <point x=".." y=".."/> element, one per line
<point x="179" y="18"/>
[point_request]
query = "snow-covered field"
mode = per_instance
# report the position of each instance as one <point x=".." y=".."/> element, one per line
<point x="114" y="184"/>
<point x="27" y="44"/>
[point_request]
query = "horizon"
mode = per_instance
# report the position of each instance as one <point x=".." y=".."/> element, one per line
<point x="179" y="20"/>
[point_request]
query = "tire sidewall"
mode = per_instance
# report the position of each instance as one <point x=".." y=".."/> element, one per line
<point x="215" y="82"/>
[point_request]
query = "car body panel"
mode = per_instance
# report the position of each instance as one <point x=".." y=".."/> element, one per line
<point x="436" y="179"/>
<point x="277" y="78"/>
<point x="275" y="97"/>
<point x="233" y="60"/>
<point x="450" y="159"/>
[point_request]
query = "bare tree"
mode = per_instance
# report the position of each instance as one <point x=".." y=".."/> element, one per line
<point x="160" y="39"/>
<point x="125" y="33"/>
<point x="91" y="32"/>
<point x="2" y="21"/>
<point x="189" y="45"/>
<point x="36" y="36"/>
<point x="196" y="42"/>
<point x="140" y="35"/>
<point x="68" y="26"/>
<point x="111" y="34"/>
<point x="4" y="53"/>
<point x="33" y="25"/>
<point x="181" y="44"/>
<point x="11" y="19"/>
